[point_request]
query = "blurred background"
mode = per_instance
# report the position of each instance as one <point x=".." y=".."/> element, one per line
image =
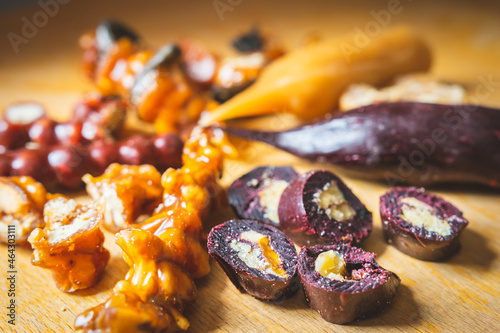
<point x="45" y="64"/>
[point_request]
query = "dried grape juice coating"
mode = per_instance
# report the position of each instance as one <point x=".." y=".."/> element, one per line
<point x="343" y="283"/>
<point x="257" y="258"/>
<point x="256" y="195"/>
<point x="318" y="208"/>
<point x="421" y="224"/>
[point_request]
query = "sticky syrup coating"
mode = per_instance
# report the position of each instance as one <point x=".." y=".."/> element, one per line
<point x="21" y="207"/>
<point x="165" y="253"/>
<point x="125" y="192"/>
<point x="70" y="244"/>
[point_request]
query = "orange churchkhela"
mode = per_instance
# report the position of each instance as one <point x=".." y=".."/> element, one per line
<point x="165" y="252"/>
<point x="174" y="85"/>
<point x="158" y="84"/>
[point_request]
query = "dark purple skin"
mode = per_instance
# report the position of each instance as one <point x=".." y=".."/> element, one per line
<point x="244" y="196"/>
<point x="256" y="283"/>
<point x="307" y="224"/>
<point x="403" y="142"/>
<point x="341" y="302"/>
<point x="415" y="241"/>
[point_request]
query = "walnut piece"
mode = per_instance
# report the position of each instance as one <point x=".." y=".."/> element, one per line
<point x="125" y="192"/>
<point x="330" y="264"/>
<point x="154" y="292"/>
<point x="332" y="200"/>
<point x="21" y="206"/>
<point x="165" y="252"/>
<point x="70" y="244"/>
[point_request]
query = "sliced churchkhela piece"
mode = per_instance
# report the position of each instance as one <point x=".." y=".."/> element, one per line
<point x="318" y="208"/>
<point x="343" y="283"/>
<point x="421" y="224"/>
<point x="402" y="142"/>
<point x="256" y="194"/>
<point x="257" y="258"/>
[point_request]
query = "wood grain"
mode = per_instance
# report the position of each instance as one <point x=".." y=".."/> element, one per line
<point x="461" y="294"/>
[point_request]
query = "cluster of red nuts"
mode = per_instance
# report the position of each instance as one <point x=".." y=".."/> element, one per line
<point x="58" y="154"/>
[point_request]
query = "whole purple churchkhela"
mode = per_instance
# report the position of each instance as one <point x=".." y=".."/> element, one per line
<point x="402" y="142"/>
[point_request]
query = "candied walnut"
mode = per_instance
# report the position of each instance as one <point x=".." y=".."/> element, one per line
<point x="189" y="252"/>
<point x="164" y="253"/>
<point x="179" y="218"/>
<point x="236" y="73"/>
<point x="153" y="269"/>
<point x="417" y="88"/>
<point x="125" y="312"/>
<point x="194" y="186"/>
<point x="156" y="289"/>
<point x="21" y="207"/>
<point x="70" y="244"/>
<point x="125" y="192"/>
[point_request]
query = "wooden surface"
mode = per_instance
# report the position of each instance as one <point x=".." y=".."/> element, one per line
<point x="461" y="294"/>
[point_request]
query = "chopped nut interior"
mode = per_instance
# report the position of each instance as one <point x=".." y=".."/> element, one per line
<point x="422" y="215"/>
<point x="263" y="257"/>
<point x="270" y="197"/>
<point x="67" y="219"/>
<point x="330" y="264"/>
<point x="332" y="200"/>
<point x="21" y="204"/>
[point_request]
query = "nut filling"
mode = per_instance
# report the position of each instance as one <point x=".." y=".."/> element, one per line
<point x="421" y="224"/>
<point x="258" y="258"/>
<point x="331" y="264"/>
<point x="342" y="282"/>
<point x="270" y="198"/>
<point x="258" y="253"/>
<point x="256" y="195"/>
<point x="423" y="216"/>
<point x="332" y="200"/>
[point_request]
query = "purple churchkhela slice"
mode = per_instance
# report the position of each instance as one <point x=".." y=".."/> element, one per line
<point x="256" y="194"/>
<point x="343" y="283"/>
<point x="318" y="208"/>
<point x="421" y="224"/>
<point x="257" y="258"/>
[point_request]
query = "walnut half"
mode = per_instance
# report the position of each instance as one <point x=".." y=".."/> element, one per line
<point x="70" y="244"/>
<point x="125" y="192"/>
<point x="21" y="207"/>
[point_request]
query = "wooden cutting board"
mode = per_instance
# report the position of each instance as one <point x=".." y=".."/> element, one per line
<point x="461" y="294"/>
